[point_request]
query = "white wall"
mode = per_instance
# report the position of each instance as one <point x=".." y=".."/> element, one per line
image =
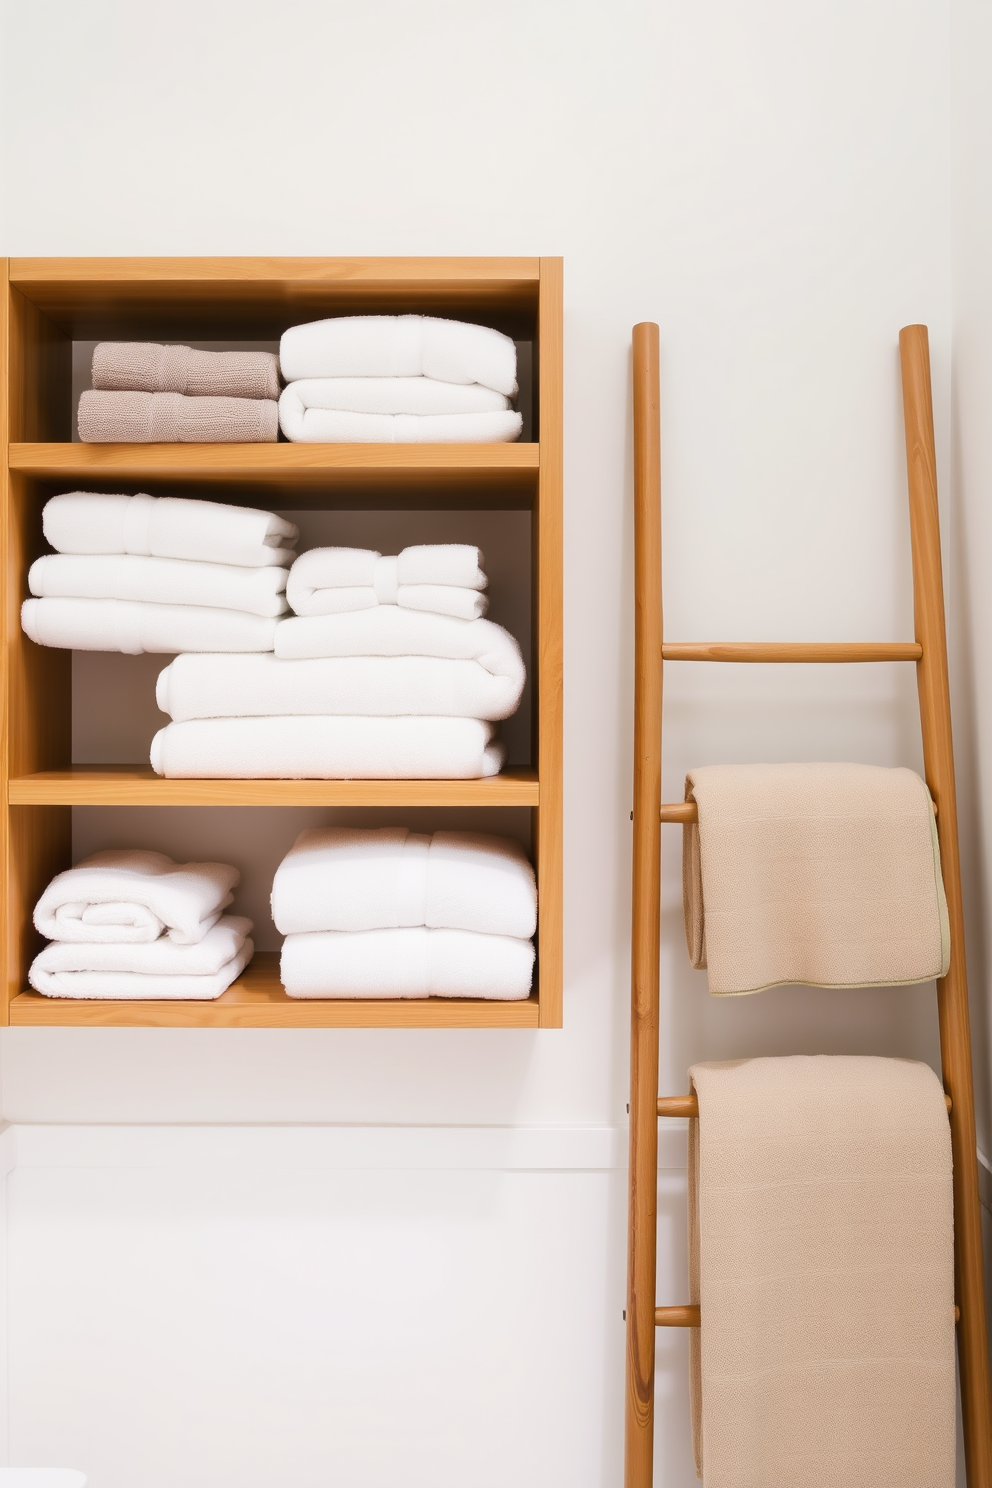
<point x="771" y="183"/>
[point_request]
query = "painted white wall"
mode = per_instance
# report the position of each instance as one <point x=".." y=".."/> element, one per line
<point x="772" y="184"/>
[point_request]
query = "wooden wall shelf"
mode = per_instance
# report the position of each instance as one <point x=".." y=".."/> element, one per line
<point x="48" y="302"/>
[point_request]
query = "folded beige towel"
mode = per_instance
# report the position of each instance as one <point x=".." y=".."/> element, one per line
<point x="169" y="418"/>
<point x="143" y="366"/>
<point x="827" y="875"/>
<point x="822" y="1260"/>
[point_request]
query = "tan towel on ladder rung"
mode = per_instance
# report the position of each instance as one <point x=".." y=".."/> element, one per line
<point x="822" y="1259"/>
<point x="827" y="875"/>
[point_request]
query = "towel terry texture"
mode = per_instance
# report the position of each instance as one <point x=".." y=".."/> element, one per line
<point x="303" y="423"/>
<point x="143" y="366"/>
<point x="444" y="578"/>
<point x="168" y="581"/>
<point x="407" y="963"/>
<point x="390" y="630"/>
<point x="383" y="878"/>
<point x="171" y="418"/>
<point x="400" y="346"/>
<point x="822" y="1260"/>
<point x="826" y="874"/>
<point x="132" y="627"/>
<point x="131" y="896"/>
<point x="157" y="969"/>
<point x="322" y="748"/>
<point x="247" y="686"/>
<point x="168" y="527"/>
<point x="394" y="395"/>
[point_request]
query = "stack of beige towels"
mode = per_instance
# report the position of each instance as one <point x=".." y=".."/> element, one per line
<point x="150" y="394"/>
<point x="133" y="925"/>
<point x="158" y="573"/>
<point x="820" y="1205"/>
<point x="388" y="670"/>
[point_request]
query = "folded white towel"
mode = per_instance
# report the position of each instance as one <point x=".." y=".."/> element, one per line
<point x="400" y="346"/>
<point x="389" y="630"/>
<point x="407" y="963"/>
<point x="141" y="986"/>
<point x="168" y="527"/>
<point x="159" y="968"/>
<point x="256" y="686"/>
<point x="301" y="748"/>
<point x="131" y="627"/>
<point x="135" y="896"/>
<point x="168" y="581"/>
<point x="413" y="395"/>
<point x="445" y="578"/>
<point x="305" y="425"/>
<point x="379" y="878"/>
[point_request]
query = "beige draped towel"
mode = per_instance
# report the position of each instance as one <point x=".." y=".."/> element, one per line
<point x="822" y="1260"/>
<point x="824" y="874"/>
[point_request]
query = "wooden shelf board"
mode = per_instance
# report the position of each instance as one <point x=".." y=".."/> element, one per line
<point x="138" y="785"/>
<point x="468" y="475"/>
<point x="257" y="1000"/>
<point x="257" y="296"/>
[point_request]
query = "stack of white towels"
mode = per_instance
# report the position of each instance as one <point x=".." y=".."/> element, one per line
<point x="136" y="925"/>
<point x="146" y="573"/>
<point x="390" y="913"/>
<point x="387" y="671"/>
<point x="398" y="379"/>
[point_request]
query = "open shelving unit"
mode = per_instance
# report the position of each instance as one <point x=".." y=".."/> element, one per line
<point x="48" y="303"/>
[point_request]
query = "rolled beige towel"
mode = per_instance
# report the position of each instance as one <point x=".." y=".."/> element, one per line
<point x="145" y="367"/>
<point x="169" y="418"/>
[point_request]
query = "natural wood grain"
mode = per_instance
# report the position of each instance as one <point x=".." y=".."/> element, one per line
<point x="678" y="1105"/>
<point x="177" y="298"/>
<point x="646" y="922"/>
<point x="677" y="1317"/>
<point x="791" y="651"/>
<point x="435" y="475"/>
<point x="138" y="785"/>
<point x="549" y="538"/>
<point x="952" y="990"/>
<point x="258" y="1000"/>
<point x="680" y="812"/>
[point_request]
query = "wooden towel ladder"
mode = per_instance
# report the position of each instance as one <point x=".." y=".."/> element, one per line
<point x="929" y="651"/>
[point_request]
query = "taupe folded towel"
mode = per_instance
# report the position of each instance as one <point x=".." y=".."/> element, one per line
<point x="822" y="1260"/>
<point x="827" y="875"/>
<point x="143" y="366"/>
<point x="169" y="418"/>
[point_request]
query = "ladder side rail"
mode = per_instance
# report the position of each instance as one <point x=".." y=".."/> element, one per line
<point x="952" y="990"/>
<point x="642" y="1225"/>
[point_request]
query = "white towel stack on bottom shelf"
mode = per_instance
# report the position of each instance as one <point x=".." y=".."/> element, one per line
<point x="368" y="684"/>
<point x="145" y="573"/>
<point x="385" y="912"/>
<point x="135" y="925"/>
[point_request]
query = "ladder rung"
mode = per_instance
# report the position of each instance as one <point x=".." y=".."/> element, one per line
<point x="688" y="1105"/>
<point x="682" y="813"/>
<point x="791" y="651"/>
<point x="676" y="1317"/>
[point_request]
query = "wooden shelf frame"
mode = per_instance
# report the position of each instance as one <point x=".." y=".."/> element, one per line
<point x="46" y="303"/>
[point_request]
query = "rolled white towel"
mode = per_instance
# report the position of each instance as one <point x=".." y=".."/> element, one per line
<point x="168" y="527"/>
<point x="131" y="627"/>
<point x="135" y="896"/>
<point x="400" y="346"/>
<point x="379" y="878"/>
<point x="389" y="630"/>
<point x="307" y="748"/>
<point x="407" y="963"/>
<point x="444" y="578"/>
<point x="304" y="424"/>
<point x="158" y="969"/>
<point x="260" y="685"/>
<point x="168" y="581"/>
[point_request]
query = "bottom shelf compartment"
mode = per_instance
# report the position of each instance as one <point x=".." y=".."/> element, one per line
<point x="258" y="1000"/>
